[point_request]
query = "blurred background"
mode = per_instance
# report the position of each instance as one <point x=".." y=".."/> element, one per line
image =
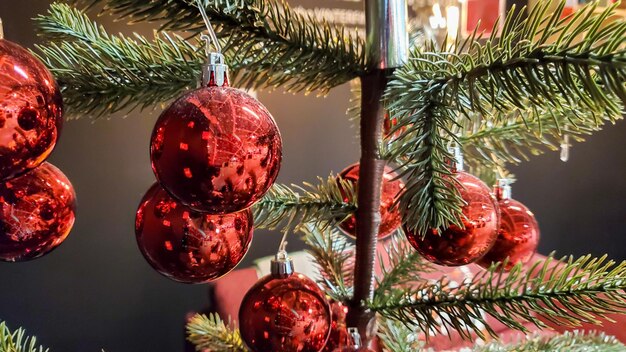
<point x="97" y="292"/>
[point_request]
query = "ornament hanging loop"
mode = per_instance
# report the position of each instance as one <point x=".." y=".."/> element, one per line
<point x="282" y="265"/>
<point x="1" y="30"/>
<point x="502" y="189"/>
<point x="214" y="70"/>
<point x="355" y="337"/>
<point x="212" y="37"/>
<point x="565" y="148"/>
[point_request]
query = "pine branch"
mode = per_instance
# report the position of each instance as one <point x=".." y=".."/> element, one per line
<point x="514" y="139"/>
<point x="279" y="46"/>
<point x="404" y="268"/>
<point x="328" y="202"/>
<point x="333" y="255"/>
<point x="396" y="337"/>
<point x="567" y="294"/>
<point x="17" y="341"/>
<point x="101" y="73"/>
<point x="535" y="64"/>
<point x="576" y="341"/>
<point x="210" y="333"/>
<point x="431" y="199"/>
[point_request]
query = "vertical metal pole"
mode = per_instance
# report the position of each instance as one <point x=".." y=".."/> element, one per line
<point x="387" y="37"/>
<point x="387" y="48"/>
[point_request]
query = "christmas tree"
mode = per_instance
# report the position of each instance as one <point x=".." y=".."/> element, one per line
<point x="542" y="78"/>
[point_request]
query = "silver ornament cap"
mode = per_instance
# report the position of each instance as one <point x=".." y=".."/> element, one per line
<point x="282" y="265"/>
<point x="215" y="71"/>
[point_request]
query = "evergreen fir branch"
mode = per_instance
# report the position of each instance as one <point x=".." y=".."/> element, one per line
<point x="430" y="199"/>
<point x="514" y="139"/>
<point x="535" y="64"/>
<point x="404" y="268"/>
<point x="18" y="341"/>
<point x="328" y="202"/>
<point x="280" y="47"/>
<point x="542" y="61"/>
<point x="575" y="341"/>
<point x="334" y="256"/>
<point x="210" y="333"/>
<point x="396" y="337"/>
<point x="568" y="294"/>
<point x="101" y="73"/>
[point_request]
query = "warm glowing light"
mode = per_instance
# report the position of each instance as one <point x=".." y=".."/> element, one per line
<point x="453" y="15"/>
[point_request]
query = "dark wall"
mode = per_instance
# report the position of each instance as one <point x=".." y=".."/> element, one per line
<point x="96" y="291"/>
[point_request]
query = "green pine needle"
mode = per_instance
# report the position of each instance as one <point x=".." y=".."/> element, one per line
<point x="396" y="337"/>
<point x="211" y="333"/>
<point x="266" y="44"/>
<point x="333" y="255"/>
<point x="102" y="74"/>
<point x="513" y="139"/>
<point x="17" y="341"/>
<point x="537" y="64"/>
<point x="405" y="266"/>
<point x="328" y="202"/>
<point x="569" y="293"/>
<point x="575" y="341"/>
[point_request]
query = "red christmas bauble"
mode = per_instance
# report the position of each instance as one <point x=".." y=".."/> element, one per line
<point x="188" y="246"/>
<point x="287" y="314"/>
<point x="518" y="236"/>
<point x="339" y="336"/>
<point x="31" y="111"/>
<point x="38" y="212"/>
<point x="460" y="246"/>
<point x="216" y="149"/>
<point x="391" y="188"/>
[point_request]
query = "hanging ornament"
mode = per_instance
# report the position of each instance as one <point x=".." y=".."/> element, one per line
<point x="391" y="188"/>
<point x="354" y="344"/>
<point x="187" y="246"/>
<point x="518" y="236"/>
<point x="216" y="149"/>
<point x="339" y="336"/>
<point x="31" y="110"/>
<point x="460" y="246"/>
<point x="284" y="311"/>
<point x="37" y="213"/>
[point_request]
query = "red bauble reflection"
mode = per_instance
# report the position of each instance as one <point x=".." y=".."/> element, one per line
<point x="285" y="314"/>
<point x="188" y="246"/>
<point x="518" y="236"/>
<point x="216" y="149"/>
<point x="391" y="188"/>
<point x="339" y="337"/>
<point x="31" y="111"/>
<point x="456" y="246"/>
<point x="38" y="210"/>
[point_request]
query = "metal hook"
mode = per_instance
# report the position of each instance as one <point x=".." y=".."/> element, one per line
<point x="565" y="147"/>
<point x="212" y="37"/>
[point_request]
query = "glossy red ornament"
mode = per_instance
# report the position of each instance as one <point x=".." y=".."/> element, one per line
<point x="287" y="314"/>
<point x="216" y="149"/>
<point x="391" y="188"/>
<point x="38" y="212"/>
<point x="518" y="236"/>
<point x="460" y="246"/>
<point x="339" y="336"/>
<point x="31" y="111"/>
<point x="188" y="246"/>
